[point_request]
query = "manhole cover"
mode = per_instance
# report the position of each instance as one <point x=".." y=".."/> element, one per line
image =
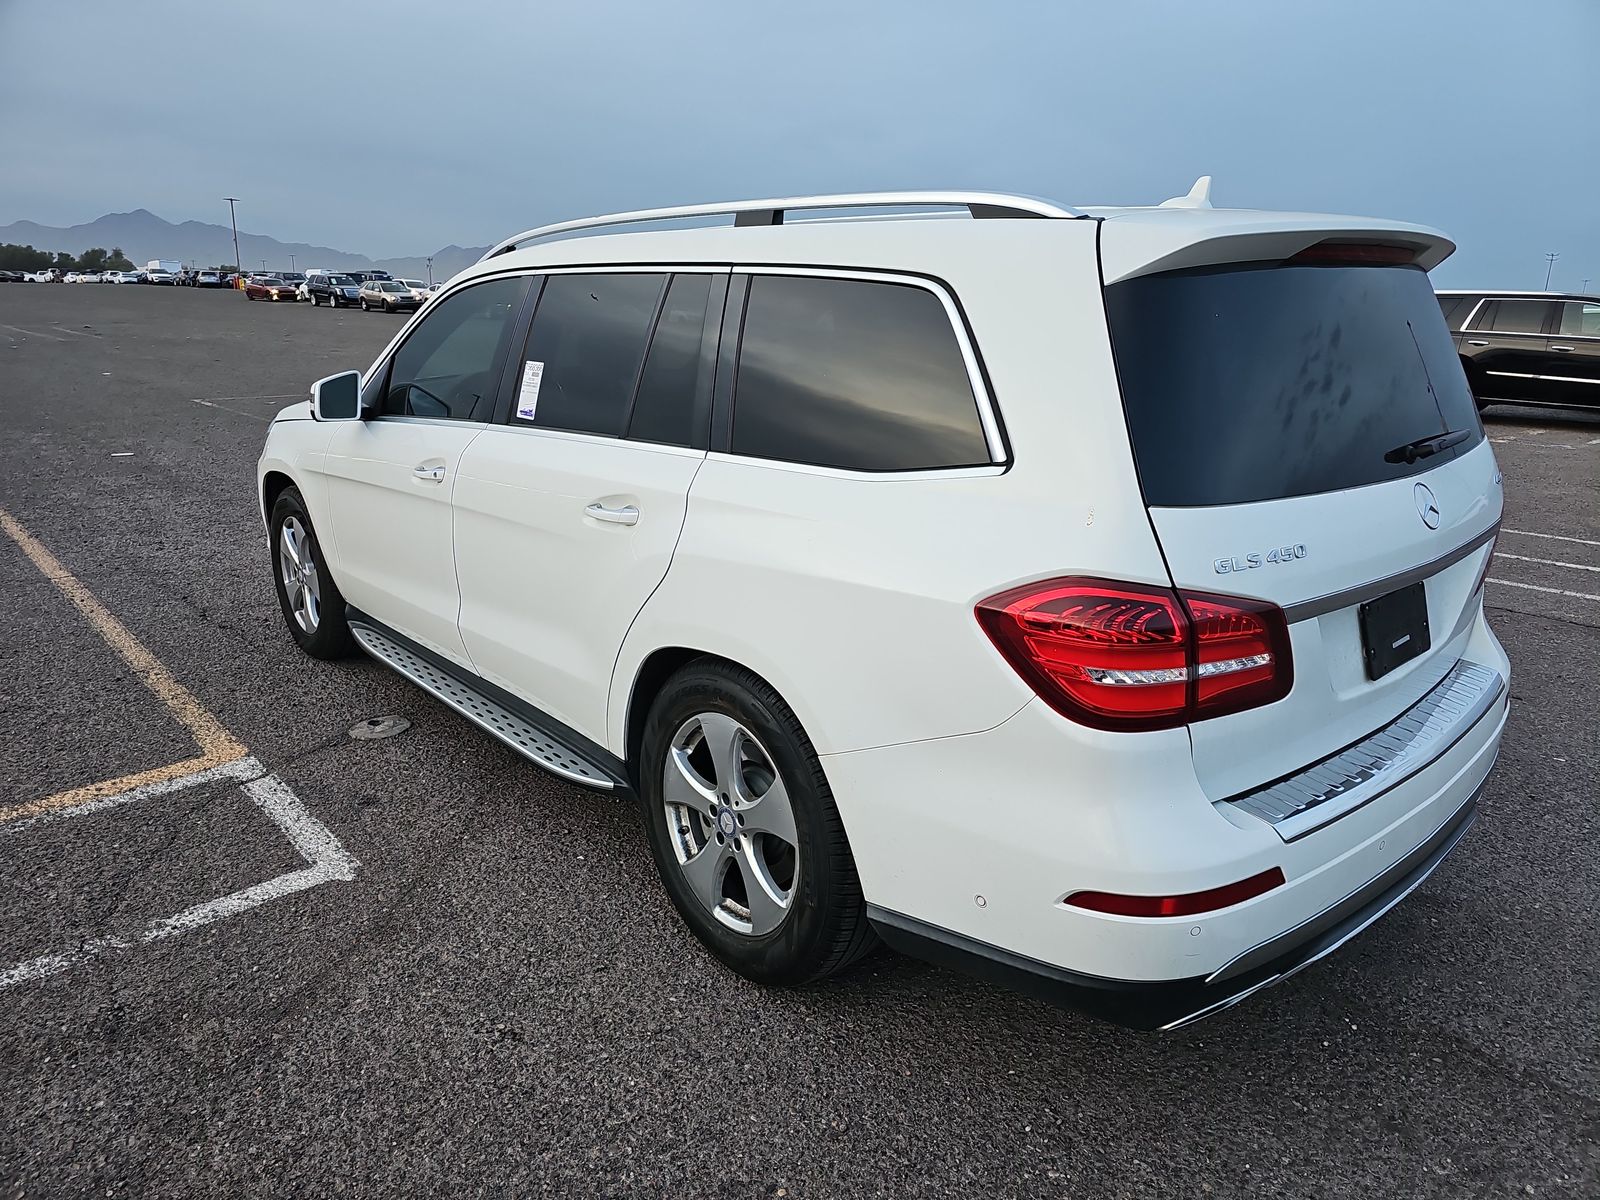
<point x="374" y="728"/>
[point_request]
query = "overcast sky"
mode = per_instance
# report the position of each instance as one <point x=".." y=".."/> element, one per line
<point x="393" y="127"/>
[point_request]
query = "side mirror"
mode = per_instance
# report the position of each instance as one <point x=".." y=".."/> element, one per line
<point x="337" y="398"/>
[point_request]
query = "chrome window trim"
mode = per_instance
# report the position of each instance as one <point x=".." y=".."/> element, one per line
<point x="1338" y="785"/>
<point x="1333" y="601"/>
<point x="987" y="420"/>
<point x="1544" y="378"/>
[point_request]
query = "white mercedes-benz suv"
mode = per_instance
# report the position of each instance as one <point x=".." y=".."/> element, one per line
<point x="1090" y="598"/>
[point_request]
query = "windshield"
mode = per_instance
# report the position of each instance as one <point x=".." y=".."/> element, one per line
<point x="341" y="281"/>
<point x="387" y="286"/>
<point x="1244" y="384"/>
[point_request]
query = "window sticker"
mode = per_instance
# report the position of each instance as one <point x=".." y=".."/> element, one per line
<point x="528" y="395"/>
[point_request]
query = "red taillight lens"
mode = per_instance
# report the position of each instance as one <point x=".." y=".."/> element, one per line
<point x="1242" y="654"/>
<point x="1128" y="657"/>
<point x="1178" y="906"/>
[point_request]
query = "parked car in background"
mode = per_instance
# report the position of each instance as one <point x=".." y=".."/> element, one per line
<point x="11" y="277"/>
<point x="1528" y="348"/>
<point x="419" y="290"/>
<point x="389" y="295"/>
<point x="268" y="287"/>
<point x="207" y="279"/>
<point x="168" y="266"/>
<point x="332" y="290"/>
<point x="1182" y="712"/>
<point x="120" y="277"/>
<point x="166" y="278"/>
<point x="294" y="279"/>
<point x="364" y="276"/>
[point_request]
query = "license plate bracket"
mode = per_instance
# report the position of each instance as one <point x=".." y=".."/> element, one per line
<point x="1394" y="629"/>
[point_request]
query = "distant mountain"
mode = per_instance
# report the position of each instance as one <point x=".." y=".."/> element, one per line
<point x="143" y="236"/>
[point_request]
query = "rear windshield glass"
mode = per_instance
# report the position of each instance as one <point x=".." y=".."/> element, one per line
<point x="1248" y="384"/>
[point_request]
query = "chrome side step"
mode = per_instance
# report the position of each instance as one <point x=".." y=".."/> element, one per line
<point x="521" y="735"/>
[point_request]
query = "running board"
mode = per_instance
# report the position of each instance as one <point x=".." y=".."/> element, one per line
<point x="537" y="745"/>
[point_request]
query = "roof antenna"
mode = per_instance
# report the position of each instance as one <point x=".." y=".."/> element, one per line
<point x="1199" y="196"/>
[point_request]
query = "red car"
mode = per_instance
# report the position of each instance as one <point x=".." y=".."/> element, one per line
<point x="268" y="287"/>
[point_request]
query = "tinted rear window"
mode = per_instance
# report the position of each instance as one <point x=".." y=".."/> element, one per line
<point x="1254" y="384"/>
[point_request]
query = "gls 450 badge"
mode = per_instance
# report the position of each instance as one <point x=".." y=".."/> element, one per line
<point x="1278" y="554"/>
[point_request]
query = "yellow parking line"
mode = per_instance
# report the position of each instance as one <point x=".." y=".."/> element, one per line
<point x="217" y="746"/>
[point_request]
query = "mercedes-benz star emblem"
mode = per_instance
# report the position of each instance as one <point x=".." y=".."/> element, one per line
<point x="1427" y="506"/>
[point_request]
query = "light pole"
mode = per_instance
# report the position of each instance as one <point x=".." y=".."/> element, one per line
<point x="263" y="266"/>
<point x="1550" y="265"/>
<point x="291" y="262"/>
<point x="1585" y="286"/>
<point x="232" y="200"/>
<point x="430" y="270"/>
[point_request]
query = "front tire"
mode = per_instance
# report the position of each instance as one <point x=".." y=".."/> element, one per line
<point x="312" y="605"/>
<point x="744" y="830"/>
<point x="333" y="300"/>
<point x="364" y="307"/>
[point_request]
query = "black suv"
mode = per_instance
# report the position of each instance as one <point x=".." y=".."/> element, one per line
<point x="332" y="290"/>
<point x="1538" y="348"/>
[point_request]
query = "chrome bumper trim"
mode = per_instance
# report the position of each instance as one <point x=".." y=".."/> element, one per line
<point x="1334" y="601"/>
<point x="1341" y="783"/>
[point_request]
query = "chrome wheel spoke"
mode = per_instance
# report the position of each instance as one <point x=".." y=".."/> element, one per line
<point x="722" y="735"/>
<point x="683" y="785"/>
<point x="291" y="542"/>
<point x="704" y="872"/>
<point x="769" y="813"/>
<point x="766" y="902"/>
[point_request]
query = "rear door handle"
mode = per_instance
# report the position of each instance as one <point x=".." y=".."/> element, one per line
<point x="1562" y="349"/>
<point x="1476" y="342"/>
<point x="430" y="474"/>
<point x="626" y="515"/>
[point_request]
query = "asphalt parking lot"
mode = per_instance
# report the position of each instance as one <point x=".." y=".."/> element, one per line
<point x="471" y="982"/>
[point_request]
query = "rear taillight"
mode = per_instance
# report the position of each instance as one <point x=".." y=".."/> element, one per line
<point x="1126" y="657"/>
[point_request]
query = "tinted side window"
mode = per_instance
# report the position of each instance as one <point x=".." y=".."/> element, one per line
<point x="665" y="408"/>
<point x="851" y="373"/>
<point x="1516" y="316"/>
<point x="1580" y="319"/>
<point x="584" y="351"/>
<point x="1455" y="309"/>
<point x="450" y="365"/>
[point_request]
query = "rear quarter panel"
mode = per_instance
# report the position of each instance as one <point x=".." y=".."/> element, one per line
<point x="853" y="594"/>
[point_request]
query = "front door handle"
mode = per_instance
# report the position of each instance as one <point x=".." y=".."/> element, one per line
<point x="1562" y="349"/>
<point x="1476" y="342"/>
<point x="430" y="474"/>
<point x="626" y="515"/>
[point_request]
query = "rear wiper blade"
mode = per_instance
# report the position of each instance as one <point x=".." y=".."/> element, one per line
<point x="1428" y="446"/>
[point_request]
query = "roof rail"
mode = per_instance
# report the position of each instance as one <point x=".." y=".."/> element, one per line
<point x="771" y="212"/>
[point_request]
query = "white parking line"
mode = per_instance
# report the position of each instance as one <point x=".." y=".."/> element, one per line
<point x="30" y="333"/>
<point x="1535" y="588"/>
<point x="1555" y="537"/>
<point x="325" y="857"/>
<point x="1549" y="562"/>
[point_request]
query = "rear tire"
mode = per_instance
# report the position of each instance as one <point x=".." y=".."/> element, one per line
<point x="721" y="748"/>
<point x="312" y="605"/>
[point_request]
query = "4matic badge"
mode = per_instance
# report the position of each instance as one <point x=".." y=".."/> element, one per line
<point x="1249" y="562"/>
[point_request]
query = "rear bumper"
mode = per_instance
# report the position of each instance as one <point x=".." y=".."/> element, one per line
<point x="1171" y="1004"/>
<point x="968" y="848"/>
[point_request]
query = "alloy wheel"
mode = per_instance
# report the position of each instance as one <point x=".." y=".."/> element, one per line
<point x="297" y="568"/>
<point x="731" y="823"/>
